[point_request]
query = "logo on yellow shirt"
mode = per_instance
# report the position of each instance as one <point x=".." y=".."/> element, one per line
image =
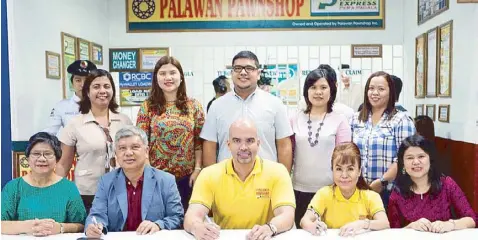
<point x="263" y="193"/>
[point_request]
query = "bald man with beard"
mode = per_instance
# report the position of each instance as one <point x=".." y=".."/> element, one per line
<point x="243" y="192"/>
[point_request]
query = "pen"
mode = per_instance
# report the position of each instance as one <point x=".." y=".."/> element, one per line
<point x="208" y="220"/>
<point x="318" y="227"/>
<point x="96" y="222"/>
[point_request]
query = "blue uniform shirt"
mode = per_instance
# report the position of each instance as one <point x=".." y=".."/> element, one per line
<point x="62" y="113"/>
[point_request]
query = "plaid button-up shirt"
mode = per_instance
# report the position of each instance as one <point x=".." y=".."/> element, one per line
<point x="379" y="144"/>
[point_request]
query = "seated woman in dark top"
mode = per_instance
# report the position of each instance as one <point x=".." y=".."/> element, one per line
<point x="423" y="198"/>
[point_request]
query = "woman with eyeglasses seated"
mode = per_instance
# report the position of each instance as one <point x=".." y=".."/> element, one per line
<point x="89" y="135"/>
<point x="348" y="204"/>
<point x="423" y="197"/>
<point x="42" y="203"/>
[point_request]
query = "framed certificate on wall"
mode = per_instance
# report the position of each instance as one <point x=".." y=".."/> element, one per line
<point x="83" y="49"/>
<point x="428" y="9"/>
<point x="149" y="56"/>
<point x="430" y="111"/>
<point x="444" y="113"/>
<point x="53" y="65"/>
<point x="419" y="110"/>
<point x="68" y="55"/>
<point x="96" y="55"/>
<point x="432" y="58"/>
<point x="445" y="60"/>
<point x="420" y="66"/>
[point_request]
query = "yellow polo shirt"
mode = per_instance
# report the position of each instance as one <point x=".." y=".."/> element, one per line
<point x="336" y="211"/>
<point x="241" y="205"/>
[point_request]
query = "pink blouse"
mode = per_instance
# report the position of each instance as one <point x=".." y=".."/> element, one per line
<point x="402" y="211"/>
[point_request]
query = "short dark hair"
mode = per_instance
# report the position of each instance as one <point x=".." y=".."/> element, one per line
<point x="398" y="86"/>
<point x="311" y="79"/>
<point x="44" y="137"/>
<point x="219" y="84"/>
<point x="246" y="54"/>
<point x="85" y="103"/>
<point x="330" y="72"/>
<point x="403" y="182"/>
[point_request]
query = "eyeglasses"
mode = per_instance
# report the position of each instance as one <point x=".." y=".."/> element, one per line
<point x="46" y="155"/>
<point x="238" y="69"/>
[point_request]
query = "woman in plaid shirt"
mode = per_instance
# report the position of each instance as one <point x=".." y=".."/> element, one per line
<point x="378" y="130"/>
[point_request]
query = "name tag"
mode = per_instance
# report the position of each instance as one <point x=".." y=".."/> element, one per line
<point x="263" y="193"/>
<point x="84" y="172"/>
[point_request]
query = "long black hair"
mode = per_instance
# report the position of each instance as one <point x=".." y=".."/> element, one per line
<point x="403" y="181"/>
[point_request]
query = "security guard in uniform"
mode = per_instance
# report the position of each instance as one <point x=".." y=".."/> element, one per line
<point x="68" y="108"/>
<point x="264" y="82"/>
<point x="221" y="87"/>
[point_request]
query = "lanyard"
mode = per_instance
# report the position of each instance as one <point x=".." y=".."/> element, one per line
<point x="110" y="161"/>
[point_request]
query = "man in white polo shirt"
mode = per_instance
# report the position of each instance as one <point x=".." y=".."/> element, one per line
<point x="248" y="100"/>
<point x="349" y="93"/>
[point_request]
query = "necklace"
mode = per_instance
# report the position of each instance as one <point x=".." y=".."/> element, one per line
<point x="416" y="192"/>
<point x="309" y="122"/>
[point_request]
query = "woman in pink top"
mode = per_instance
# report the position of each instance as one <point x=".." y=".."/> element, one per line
<point x="317" y="130"/>
<point x="423" y="198"/>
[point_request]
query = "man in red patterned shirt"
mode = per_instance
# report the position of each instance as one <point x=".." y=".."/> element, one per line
<point x="134" y="197"/>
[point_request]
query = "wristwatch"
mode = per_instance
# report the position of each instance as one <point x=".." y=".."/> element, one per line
<point x="62" y="230"/>
<point x="367" y="221"/>
<point x="273" y="229"/>
<point x="383" y="181"/>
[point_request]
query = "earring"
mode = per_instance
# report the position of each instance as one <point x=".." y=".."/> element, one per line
<point x="403" y="171"/>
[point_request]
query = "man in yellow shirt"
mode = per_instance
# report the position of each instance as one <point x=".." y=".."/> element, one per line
<point x="243" y="192"/>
